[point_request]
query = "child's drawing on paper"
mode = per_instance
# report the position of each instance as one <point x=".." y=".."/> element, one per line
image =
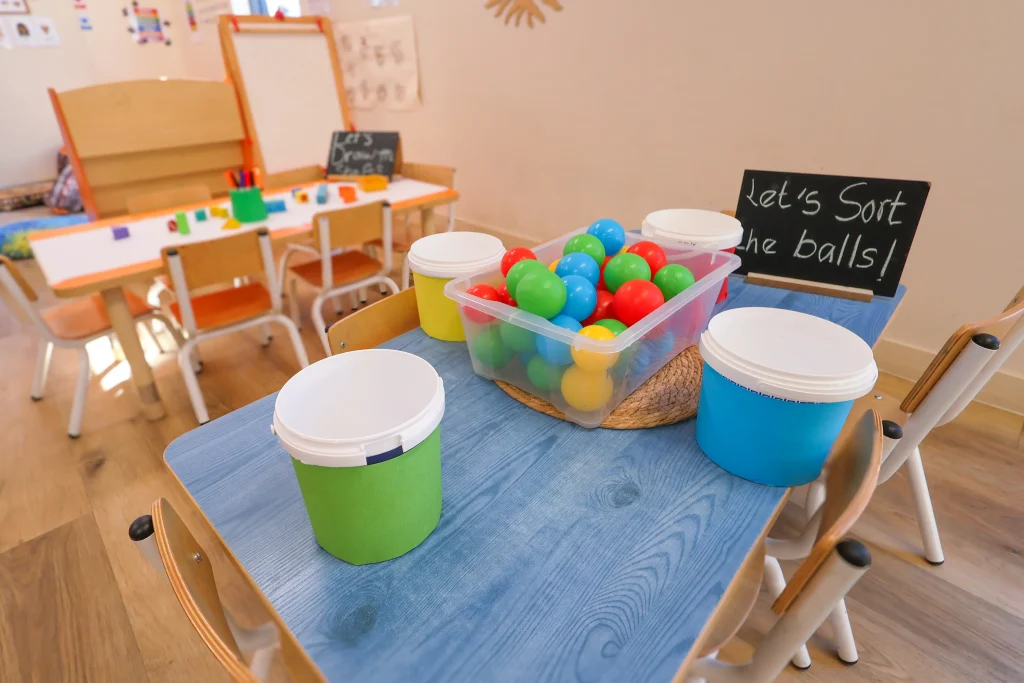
<point x="378" y="58"/>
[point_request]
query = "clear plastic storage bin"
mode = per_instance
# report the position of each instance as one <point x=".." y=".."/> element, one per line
<point x="504" y="347"/>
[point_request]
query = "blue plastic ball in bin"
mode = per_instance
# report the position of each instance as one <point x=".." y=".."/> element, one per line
<point x="777" y="388"/>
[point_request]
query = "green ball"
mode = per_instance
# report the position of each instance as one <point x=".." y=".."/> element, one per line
<point x="543" y="374"/>
<point x="542" y="293"/>
<point x="672" y="279"/>
<point x="489" y="349"/>
<point x="587" y="244"/>
<point x="518" y="271"/>
<point x="517" y="338"/>
<point x="623" y="268"/>
<point x="614" y="325"/>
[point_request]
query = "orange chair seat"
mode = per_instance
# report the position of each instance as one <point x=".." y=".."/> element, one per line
<point x="396" y="245"/>
<point x="87" y="317"/>
<point x="348" y="267"/>
<point x="227" y="306"/>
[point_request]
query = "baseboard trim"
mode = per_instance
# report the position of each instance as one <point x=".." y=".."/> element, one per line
<point x="1004" y="390"/>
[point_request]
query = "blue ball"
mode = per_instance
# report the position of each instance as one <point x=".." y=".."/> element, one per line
<point x="578" y="263"/>
<point x="580" y="297"/>
<point x="610" y="232"/>
<point x="556" y="352"/>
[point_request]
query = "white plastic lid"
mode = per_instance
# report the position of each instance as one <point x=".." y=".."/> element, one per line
<point x="789" y="355"/>
<point x="705" y="229"/>
<point x="455" y="254"/>
<point x="358" y="408"/>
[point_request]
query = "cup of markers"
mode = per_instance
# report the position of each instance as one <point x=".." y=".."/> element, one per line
<point x="246" y="196"/>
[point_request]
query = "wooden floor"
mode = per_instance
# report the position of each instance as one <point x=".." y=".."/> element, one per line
<point x="79" y="603"/>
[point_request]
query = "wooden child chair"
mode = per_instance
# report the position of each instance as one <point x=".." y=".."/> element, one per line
<point x="167" y="543"/>
<point x="342" y="267"/>
<point x="379" y="322"/>
<point x="200" y="264"/>
<point x="831" y="568"/>
<point x="72" y="325"/>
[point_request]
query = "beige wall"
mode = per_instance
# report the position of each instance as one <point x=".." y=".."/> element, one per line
<point x="618" y="108"/>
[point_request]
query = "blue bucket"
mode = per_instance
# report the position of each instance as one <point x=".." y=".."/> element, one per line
<point x="777" y="388"/>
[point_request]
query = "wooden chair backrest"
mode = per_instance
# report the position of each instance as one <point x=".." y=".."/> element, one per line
<point x="429" y="173"/>
<point x="852" y="474"/>
<point x="136" y="137"/>
<point x="190" y="573"/>
<point x="19" y="278"/>
<point x="377" y="323"/>
<point x="219" y="260"/>
<point x="168" y="198"/>
<point x="955" y="344"/>
<point x="353" y="227"/>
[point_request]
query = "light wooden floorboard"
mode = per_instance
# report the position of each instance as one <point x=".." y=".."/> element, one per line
<point x="73" y="589"/>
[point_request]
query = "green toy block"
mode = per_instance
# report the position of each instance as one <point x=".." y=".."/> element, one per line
<point x="181" y="218"/>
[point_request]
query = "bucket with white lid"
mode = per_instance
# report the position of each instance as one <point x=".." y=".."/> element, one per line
<point x="363" y="430"/>
<point x="437" y="259"/>
<point x="696" y="227"/>
<point x="777" y="388"/>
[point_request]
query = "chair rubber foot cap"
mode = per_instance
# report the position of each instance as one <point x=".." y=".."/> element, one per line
<point x="36" y="398"/>
<point x="801" y="668"/>
<point x="935" y="564"/>
<point x="204" y="423"/>
<point x="73" y="436"/>
<point x="846" y="662"/>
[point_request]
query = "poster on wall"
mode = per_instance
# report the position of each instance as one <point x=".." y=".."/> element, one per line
<point x="13" y="6"/>
<point x="145" y="25"/>
<point x="21" y="31"/>
<point x="380" y="64"/>
<point x="207" y="11"/>
<point x="5" y="41"/>
<point x="45" y="32"/>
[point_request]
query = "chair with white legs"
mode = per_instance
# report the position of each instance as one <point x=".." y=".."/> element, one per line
<point x="168" y="544"/>
<point x="200" y="264"/>
<point x="831" y="568"/>
<point x="71" y="325"/>
<point x="342" y="268"/>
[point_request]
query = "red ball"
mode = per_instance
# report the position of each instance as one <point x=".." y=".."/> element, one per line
<point x="635" y="299"/>
<point x="603" y="309"/>
<point x="652" y="253"/>
<point x="503" y="295"/>
<point x="481" y="292"/>
<point x="514" y="256"/>
<point x="600" y="283"/>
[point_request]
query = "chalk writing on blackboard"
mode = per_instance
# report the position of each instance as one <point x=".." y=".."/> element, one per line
<point x="362" y="153"/>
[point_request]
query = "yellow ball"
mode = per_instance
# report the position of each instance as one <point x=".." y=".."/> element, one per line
<point x="554" y="264"/>
<point x="592" y="360"/>
<point x="624" y="249"/>
<point x="586" y="391"/>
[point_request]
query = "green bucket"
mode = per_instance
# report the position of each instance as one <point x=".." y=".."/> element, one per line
<point x="363" y="431"/>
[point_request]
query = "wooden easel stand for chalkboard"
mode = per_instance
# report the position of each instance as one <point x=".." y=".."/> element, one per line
<point x="809" y="286"/>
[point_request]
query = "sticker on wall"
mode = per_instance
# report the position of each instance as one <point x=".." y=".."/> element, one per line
<point x="13" y="6"/>
<point x="379" y="61"/>
<point x="83" y="22"/>
<point x="5" y="40"/>
<point x="517" y="9"/>
<point x="21" y="31"/>
<point x="145" y="25"/>
<point x="80" y="4"/>
<point x="45" y="32"/>
<point x="207" y="11"/>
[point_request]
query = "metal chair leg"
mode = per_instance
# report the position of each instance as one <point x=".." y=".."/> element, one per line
<point x="42" y="369"/>
<point x="78" y="402"/>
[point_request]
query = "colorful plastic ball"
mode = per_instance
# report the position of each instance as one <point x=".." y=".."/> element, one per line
<point x="635" y="299"/>
<point x="586" y="391"/>
<point x="594" y="360"/>
<point x="554" y="351"/>
<point x="518" y="272"/>
<point x="603" y="309"/>
<point x="542" y="293"/>
<point x="617" y="327"/>
<point x="514" y="256"/>
<point x="650" y="252"/>
<point x="673" y="279"/>
<point x="544" y="375"/>
<point x="586" y="244"/>
<point x="662" y="346"/>
<point x="600" y="283"/>
<point x="610" y="232"/>
<point x="578" y="263"/>
<point x="503" y="295"/>
<point x="489" y="349"/>
<point x="481" y="292"/>
<point x="517" y="338"/>
<point x="580" y="297"/>
<point x="553" y="266"/>
<point x="623" y="268"/>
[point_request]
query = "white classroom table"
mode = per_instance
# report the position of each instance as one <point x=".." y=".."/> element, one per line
<point x="85" y="259"/>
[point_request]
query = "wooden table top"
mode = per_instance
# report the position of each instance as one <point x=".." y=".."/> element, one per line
<point x="562" y="554"/>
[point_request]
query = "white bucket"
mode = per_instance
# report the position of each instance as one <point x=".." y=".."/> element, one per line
<point x="697" y="227"/>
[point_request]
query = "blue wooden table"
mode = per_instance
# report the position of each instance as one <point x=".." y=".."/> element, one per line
<point x="563" y="554"/>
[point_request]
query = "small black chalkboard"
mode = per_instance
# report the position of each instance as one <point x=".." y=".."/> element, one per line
<point x="854" y="232"/>
<point x="362" y="153"/>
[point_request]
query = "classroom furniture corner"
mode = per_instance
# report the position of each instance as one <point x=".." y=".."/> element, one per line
<point x="135" y="138"/>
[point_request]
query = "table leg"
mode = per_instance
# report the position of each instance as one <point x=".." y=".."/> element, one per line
<point x="142" y="375"/>
<point x="427" y="221"/>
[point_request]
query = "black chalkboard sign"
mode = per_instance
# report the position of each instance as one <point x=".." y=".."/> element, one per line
<point x="363" y="153"/>
<point x="854" y="232"/>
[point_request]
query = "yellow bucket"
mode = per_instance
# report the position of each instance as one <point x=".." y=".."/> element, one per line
<point x="437" y="259"/>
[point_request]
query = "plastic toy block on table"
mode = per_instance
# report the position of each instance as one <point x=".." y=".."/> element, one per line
<point x="321" y="194"/>
<point x="372" y="183"/>
<point x="219" y="212"/>
<point x="301" y="196"/>
<point x="231" y="224"/>
<point x="181" y="219"/>
<point x="121" y="232"/>
<point x="200" y="214"/>
<point x="275" y="205"/>
<point x="347" y="193"/>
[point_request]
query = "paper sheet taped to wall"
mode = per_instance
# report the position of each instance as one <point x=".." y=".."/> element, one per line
<point x="379" y="60"/>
